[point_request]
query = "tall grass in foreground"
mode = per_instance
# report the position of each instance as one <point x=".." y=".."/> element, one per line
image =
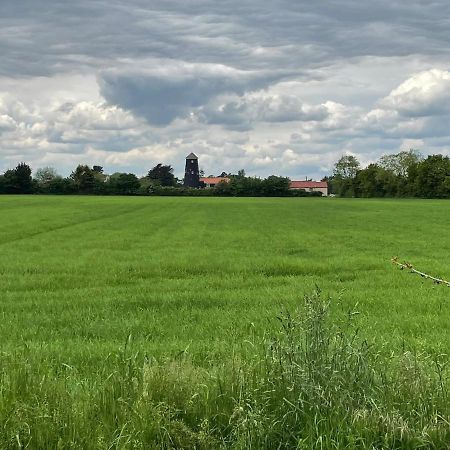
<point x="314" y="384"/>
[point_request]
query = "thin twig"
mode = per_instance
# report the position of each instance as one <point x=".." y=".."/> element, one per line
<point x="422" y="274"/>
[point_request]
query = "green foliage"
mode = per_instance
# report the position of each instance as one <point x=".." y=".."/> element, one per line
<point x="401" y="164"/>
<point x="84" y="179"/>
<point x="346" y="167"/>
<point x="89" y="181"/>
<point x="162" y="175"/>
<point x="303" y="193"/>
<point x="375" y="181"/>
<point x="8" y="183"/>
<point x="60" y="185"/>
<point x="17" y="181"/>
<point x="242" y="186"/>
<point x="405" y="174"/>
<point x="45" y="175"/>
<point x="172" y="191"/>
<point x="274" y="186"/>
<point x="23" y="180"/>
<point x="344" y="174"/>
<point x="433" y="177"/>
<point x="123" y="184"/>
<point x="47" y="181"/>
<point x="319" y="385"/>
<point x="238" y="186"/>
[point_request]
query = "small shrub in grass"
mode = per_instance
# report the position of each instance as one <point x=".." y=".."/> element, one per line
<point x="320" y="386"/>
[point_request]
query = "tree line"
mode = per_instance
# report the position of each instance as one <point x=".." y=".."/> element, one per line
<point x="159" y="180"/>
<point x="404" y="174"/>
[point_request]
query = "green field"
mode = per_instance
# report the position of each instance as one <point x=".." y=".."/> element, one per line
<point x="81" y="274"/>
<point x="85" y="279"/>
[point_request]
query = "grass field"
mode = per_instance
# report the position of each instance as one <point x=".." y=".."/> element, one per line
<point x="86" y="280"/>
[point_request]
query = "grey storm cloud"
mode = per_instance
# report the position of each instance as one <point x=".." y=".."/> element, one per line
<point x="47" y="36"/>
<point x="171" y="89"/>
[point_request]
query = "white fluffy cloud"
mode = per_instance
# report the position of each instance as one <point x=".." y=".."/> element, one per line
<point x="242" y="112"/>
<point x="424" y="94"/>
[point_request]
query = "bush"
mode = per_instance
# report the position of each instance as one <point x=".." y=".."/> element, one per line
<point x="303" y="193"/>
<point x="179" y="191"/>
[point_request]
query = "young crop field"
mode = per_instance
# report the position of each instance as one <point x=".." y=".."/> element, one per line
<point x="107" y="303"/>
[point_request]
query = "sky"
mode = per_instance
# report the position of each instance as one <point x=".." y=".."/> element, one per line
<point x="281" y="87"/>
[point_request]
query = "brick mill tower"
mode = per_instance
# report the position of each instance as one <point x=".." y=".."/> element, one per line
<point x="191" y="172"/>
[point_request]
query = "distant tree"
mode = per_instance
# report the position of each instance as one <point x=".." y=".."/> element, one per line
<point x="60" y="185"/>
<point x="17" y="181"/>
<point x="224" y="189"/>
<point x="45" y="174"/>
<point x="123" y="184"/>
<point x="346" y="167"/>
<point x="344" y="174"/>
<point x="239" y="187"/>
<point x="145" y="185"/>
<point x="375" y="181"/>
<point x="84" y="179"/>
<point x="433" y="177"/>
<point x="23" y="176"/>
<point x="401" y="163"/>
<point x="162" y="175"/>
<point x="242" y="186"/>
<point x="246" y="186"/>
<point x="9" y="182"/>
<point x="274" y="186"/>
<point x="241" y="173"/>
<point x="2" y="184"/>
<point x="391" y="183"/>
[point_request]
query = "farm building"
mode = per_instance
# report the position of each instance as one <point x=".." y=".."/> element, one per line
<point x="311" y="186"/>
<point x="212" y="181"/>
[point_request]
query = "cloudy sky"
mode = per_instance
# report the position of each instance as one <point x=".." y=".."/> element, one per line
<point x="272" y="86"/>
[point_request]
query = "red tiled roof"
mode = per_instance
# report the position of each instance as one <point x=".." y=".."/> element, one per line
<point x="308" y="184"/>
<point x="214" y="180"/>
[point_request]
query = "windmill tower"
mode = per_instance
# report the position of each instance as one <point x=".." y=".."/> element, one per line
<point x="191" y="172"/>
